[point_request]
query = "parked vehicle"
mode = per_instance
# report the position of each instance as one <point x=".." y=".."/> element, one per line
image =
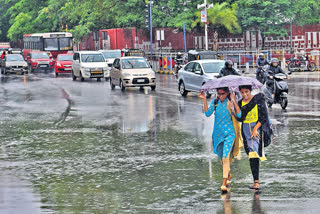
<point x="280" y="94"/>
<point x="63" y="64"/>
<point x="132" y="72"/>
<point x="302" y="64"/>
<point x="197" y="73"/>
<point x="14" y="63"/>
<point x="15" y="51"/>
<point x="110" y="56"/>
<point x="38" y="61"/>
<point x="89" y="64"/>
<point x="198" y="55"/>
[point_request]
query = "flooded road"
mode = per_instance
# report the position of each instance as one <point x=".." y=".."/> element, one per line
<point x="79" y="147"/>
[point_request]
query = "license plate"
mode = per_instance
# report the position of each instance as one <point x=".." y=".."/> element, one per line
<point x="43" y="66"/>
<point x="96" y="72"/>
<point x="141" y="80"/>
<point x="67" y="69"/>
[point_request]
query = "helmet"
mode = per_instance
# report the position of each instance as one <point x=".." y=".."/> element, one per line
<point x="228" y="62"/>
<point x="179" y="53"/>
<point x="274" y="60"/>
<point x="261" y="55"/>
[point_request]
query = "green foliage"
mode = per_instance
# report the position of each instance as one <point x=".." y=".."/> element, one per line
<point x="19" y="17"/>
<point x="221" y="15"/>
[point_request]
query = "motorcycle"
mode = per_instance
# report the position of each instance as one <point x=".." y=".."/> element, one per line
<point x="301" y="64"/>
<point x="178" y="65"/>
<point x="280" y="92"/>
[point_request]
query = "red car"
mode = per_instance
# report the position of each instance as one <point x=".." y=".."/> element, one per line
<point x="63" y="64"/>
<point x="39" y="61"/>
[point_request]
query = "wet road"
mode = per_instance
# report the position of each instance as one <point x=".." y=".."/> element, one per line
<point x="73" y="147"/>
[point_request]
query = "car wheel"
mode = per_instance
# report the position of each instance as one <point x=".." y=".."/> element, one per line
<point x="182" y="89"/>
<point x="153" y="87"/>
<point x="208" y="95"/>
<point x="111" y="84"/>
<point x="122" y="86"/>
<point x="81" y="77"/>
<point x="73" y="76"/>
<point x="98" y="79"/>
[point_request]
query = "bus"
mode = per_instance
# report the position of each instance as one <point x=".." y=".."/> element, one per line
<point x="53" y="43"/>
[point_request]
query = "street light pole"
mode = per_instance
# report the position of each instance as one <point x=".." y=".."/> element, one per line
<point x="206" y="25"/>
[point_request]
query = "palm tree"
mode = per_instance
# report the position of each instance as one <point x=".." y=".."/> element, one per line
<point x="220" y="15"/>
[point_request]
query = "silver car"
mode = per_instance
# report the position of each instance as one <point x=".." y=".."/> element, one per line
<point x="14" y="63"/>
<point x="197" y="73"/>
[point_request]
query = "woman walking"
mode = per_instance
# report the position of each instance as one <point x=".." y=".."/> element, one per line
<point x="252" y="112"/>
<point x="226" y="135"/>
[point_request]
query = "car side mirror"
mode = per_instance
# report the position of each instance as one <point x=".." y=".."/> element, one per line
<point x="198" y="72"/>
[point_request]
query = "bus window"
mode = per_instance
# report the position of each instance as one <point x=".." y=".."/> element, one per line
<point x="51" y="44"/>
<point x="65" y="43"/>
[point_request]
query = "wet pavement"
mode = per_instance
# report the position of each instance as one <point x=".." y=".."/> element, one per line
<point x="79" y="147"/>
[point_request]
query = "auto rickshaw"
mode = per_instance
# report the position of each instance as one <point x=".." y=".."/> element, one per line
<point x="197" y="55"/>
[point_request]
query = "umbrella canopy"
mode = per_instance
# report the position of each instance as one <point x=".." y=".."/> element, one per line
<point x="232" y="82"/>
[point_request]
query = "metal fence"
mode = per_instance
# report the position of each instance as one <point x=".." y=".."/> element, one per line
<point x="241" y="59"/>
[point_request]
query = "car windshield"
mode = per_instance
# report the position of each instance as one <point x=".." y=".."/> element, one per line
<point x="40" y="56"/>
<point x="15" y="58"/>
<point x="64" y="57"/>
<point x="92" y="58"/>
<point x="212" y="67"/>
<point x="134" y="63"/>
<point x="111" y="54"/>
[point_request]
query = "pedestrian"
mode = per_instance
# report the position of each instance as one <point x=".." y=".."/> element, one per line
<point x="228" y="70"/>
<point x="226" y="135"/>
<point x="3" y="55"/>
<point x="251" y="110"/>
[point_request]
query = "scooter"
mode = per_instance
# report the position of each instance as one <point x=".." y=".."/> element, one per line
<point x="280" y="92"/>
<point x="260" y="73"/>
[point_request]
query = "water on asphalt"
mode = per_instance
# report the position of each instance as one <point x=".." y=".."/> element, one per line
<point x="73" y="147"/>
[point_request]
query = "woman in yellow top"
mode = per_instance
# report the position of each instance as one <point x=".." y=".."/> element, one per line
<point x="252" y="112"/>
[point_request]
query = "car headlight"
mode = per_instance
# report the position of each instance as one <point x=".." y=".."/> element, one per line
<point x="58" y="64"/>
<point x="86" y="69"/>
<point x="126" y="74"/>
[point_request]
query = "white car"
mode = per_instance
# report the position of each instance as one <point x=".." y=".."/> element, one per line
<point x="196" y="73"/>
<point x="110" y="56"/>
<point x="89" y="64"/>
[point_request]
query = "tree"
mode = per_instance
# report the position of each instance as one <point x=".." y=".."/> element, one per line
<point x="270" y="17"/>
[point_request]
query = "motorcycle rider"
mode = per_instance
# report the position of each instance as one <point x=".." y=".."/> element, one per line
<point x="273" y="69"/>
<point x="228" y="70"/>
<point x="261" y="61"/>
<point x="179" y="61"/>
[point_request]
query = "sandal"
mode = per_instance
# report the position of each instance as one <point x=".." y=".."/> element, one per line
<point x="255" y="185"/>
<point x="224" y="189"/>
<point x="228" y="184"/>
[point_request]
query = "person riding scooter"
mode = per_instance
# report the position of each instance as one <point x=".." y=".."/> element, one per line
<point x="261" y="62"/>
<point x="228" y="69"/>
<point x="270" y="74"/>
<point x="178" y="63"/>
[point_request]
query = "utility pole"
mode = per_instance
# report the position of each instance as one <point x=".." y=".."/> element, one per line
<point x="204" y="18"/>
<point x="206" y="25"/>
<point x="149" y="23"/>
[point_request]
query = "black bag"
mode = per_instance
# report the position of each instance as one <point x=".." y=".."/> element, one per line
<point x="267" y="132"/>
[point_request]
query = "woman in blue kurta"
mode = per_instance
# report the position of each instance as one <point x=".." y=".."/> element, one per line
<point x="224" y="133"/>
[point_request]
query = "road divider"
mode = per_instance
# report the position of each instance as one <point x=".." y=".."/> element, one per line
<point x="164" y="72"/>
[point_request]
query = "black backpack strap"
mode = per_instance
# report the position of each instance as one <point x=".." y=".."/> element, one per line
<point x="215" y="103"/>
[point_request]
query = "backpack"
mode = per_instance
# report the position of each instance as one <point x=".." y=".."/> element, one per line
<point x="267" y="132"/>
